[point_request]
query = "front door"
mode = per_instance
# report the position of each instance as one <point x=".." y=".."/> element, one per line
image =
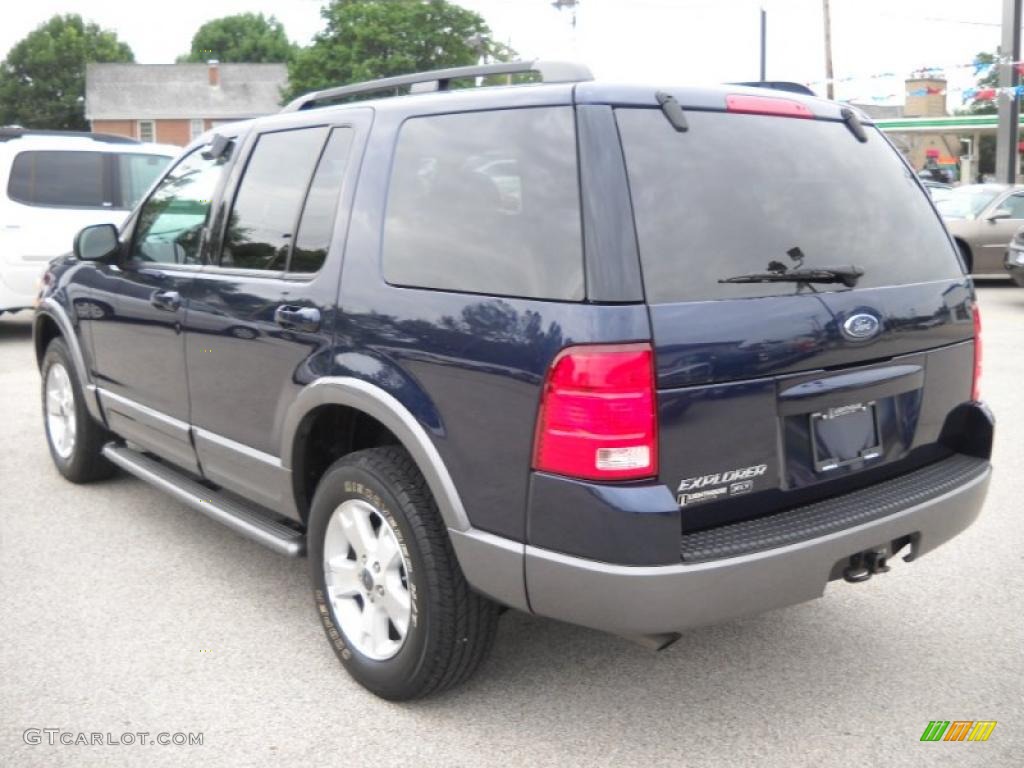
<point x="140" y="351"/>
<point x="997" y="234"/>
<point x="260" y="319"/>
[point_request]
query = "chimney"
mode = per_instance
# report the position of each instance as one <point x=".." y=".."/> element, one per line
<point x="214" y="72"/>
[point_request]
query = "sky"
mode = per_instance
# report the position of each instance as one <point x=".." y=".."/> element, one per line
<point x="656" y="41"/>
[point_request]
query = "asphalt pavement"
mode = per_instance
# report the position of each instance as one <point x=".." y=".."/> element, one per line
<point x="121" y="612"/>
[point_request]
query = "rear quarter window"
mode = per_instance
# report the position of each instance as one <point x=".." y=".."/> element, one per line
<point x="57" y="178"/>
<point x="486" y="202"/>
<point x="737" y="192"/>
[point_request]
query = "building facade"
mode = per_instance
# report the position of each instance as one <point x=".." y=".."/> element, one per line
<point x="174" y="103"/>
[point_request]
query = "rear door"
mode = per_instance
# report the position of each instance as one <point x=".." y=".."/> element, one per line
<point x="771" y="393"/>
<point x="260" y="315"/>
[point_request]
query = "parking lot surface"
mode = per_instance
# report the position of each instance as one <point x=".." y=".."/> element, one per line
<point x="123" y="611"/>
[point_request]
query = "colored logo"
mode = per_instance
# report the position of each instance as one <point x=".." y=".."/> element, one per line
<point x="958" y="730"/>
<point x="861" y="326"/>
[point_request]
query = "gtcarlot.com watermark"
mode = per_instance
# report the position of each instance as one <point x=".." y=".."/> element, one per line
<point x="58" y="736"/>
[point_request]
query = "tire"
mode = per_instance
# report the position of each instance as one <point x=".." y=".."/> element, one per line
<point x="449" y="629"/>
<point x="79" y="459"/>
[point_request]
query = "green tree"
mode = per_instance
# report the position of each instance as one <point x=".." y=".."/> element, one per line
<point x="42" y="80"/>
<point x="247" y="37"/>
<point x="367" y="39"/>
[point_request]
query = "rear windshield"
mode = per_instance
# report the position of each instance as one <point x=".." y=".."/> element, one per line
<point x="967" y="202"/>
<point x="740" y="194"/>
<point x="136" y="174"/>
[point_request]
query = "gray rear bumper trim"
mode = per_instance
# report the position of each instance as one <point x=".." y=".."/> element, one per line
<point x="662" y="599"/>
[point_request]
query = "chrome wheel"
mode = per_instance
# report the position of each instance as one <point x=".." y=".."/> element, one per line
<point x="61" y="424"/>
<point x="367" y="580"/>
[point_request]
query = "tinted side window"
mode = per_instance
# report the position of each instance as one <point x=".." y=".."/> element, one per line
<point x="171" y="221"/>
<point x="263" y="219"/>
<point x="487" y="202"/>
<point x="317" y="223"/>
<point x="134" y="175"/>
<point x="71" y="179"/>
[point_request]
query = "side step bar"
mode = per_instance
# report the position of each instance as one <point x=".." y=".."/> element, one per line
<point x="257" y="525"/>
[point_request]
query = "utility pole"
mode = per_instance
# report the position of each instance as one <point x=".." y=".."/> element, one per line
<point x="764" y="41"/>
<point x="830" y="89"/>
<point x="1008" y="132"/>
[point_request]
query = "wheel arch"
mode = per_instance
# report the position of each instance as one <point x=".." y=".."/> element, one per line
<point x="386" y="410"/>
<point x="44" y="330"/>
<point x="965" y="253"/>
<point x="51" y="321"/>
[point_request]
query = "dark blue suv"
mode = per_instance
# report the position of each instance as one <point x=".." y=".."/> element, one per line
<point x="639" y="359"/>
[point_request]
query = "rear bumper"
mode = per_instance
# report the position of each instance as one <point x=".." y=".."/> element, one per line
<point x="654" y="600"/>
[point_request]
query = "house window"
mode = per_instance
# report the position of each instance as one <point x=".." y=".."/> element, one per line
<point x="196" y="127"/>
<point x="147" y="130"/>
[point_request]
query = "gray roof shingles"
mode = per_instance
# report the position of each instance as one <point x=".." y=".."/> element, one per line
<point x="174" y="91"/>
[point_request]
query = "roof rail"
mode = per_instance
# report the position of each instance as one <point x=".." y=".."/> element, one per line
<point x="16" y="132"/>
<point x="779" y="85"/>
<point x="440" y="80"/>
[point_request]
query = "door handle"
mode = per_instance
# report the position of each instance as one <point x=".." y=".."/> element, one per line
<point x="297" y="318"/>
<point x="166" y="300"/>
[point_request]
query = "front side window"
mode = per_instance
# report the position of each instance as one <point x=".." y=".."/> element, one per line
<point x="486" y="202"/>
<point x="263" y="220"/>
<point x="1015" y="205"/>
<point x="170" y="223"/>
<point x="65" y="179"/>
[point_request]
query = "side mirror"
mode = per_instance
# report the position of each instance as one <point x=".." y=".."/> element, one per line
<point x="96" y="242"/>
<point x="997" y="214"/>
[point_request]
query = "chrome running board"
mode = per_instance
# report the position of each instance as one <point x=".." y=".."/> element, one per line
<point x="256" y="525"/>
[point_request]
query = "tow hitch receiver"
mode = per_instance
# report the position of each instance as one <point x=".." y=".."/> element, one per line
<point x="864" y="565"/>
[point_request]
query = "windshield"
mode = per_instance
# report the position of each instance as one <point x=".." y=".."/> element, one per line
<point x="739" y="194"/>
<point x="965" y="202"/>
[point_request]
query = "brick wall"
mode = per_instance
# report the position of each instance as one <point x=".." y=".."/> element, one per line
<point x="165" y="131"/>
<point x="173" y="132"/>
<point x="116" y="127"/>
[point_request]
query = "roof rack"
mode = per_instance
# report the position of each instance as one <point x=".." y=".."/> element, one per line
<point x="15" y="132"/>
<point x="440" y="80"/>
<point x="779" y="85"/>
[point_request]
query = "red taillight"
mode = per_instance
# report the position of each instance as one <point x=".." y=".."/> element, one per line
<point x="597" y="414"/>
<point x="766" y="105"/>
<point x="976" y="384"/>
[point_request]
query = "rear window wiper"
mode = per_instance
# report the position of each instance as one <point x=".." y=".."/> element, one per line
<point x="848" y="276"/>
<point x="672" y="111"/>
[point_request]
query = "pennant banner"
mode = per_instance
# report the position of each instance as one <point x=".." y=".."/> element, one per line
<point x="979" y="67"/>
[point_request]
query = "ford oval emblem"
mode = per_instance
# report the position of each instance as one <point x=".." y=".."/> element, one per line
<point x="861" y="327"/>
